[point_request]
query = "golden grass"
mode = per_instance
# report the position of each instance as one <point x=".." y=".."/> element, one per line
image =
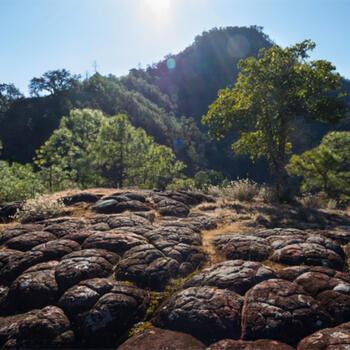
<point x="7" y="225"/>
<point x="273" y="265"/>
<point x="208" y="235"/>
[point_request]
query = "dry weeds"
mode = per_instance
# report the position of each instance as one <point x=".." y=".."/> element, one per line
<point x="208" y="235"/>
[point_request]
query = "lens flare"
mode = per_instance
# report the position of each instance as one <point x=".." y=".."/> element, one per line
<point x="171" y="63"/>
<point x="178" y="144"/>
<point x="159" y="8"/>
<point x="238" y="46"/>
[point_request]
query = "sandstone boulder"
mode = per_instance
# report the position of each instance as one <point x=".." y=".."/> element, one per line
<point x="281" y="310"/>
<point x="161" y="339"/>
<point x="261" y="344"/>
<point x="235" y="275"/>
<point x="207" y="313"/>
<point x="337" y="338"/>
<point x="84" y="264"/>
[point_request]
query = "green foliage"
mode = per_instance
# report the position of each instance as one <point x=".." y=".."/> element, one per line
<point x="139" y="327"/>
<point x="8" y="93"/>
<point x="63" y="158"/>
<point x="204" y="178"/>
<point x="166" y="103"/>
<point x="326" y="167"/>
<point x="53" y="82"/>
<point x="90" y="149"/>
<point x="185" y="184"/>
<point x="18" y="182"/>
<point x="269" y="94"/>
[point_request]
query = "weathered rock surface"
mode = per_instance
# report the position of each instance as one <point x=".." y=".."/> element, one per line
<point x="12" y="232"/>
<point x="84" y="295"/>
<point x="34" y="288"/>
<point x="314" y="250"/>
<point x="44" y="329"/>
<point x="337" y="338"/>
<point x="81" y="197"/>
<point x="112" y="315"/>
<point x="84" y="264"/>
<point x="207" y="313"/>
<point x="109" y="206"/>
<point x="239" y="246"/>
<point x="262" y="344"/>
<point x="61" y="227"/>
<point x="115" y="241"/>
<point x="162" y="339"/>
<point x="16" y="262"/>
<point x="281" y="310"/>
<point x="85" y="282"/>
<point x="147" y="267"/>
<point x="57" y="249"/>
<point x="330" y="287"/>
<point x="235" y="275"/>
<point x="170" y="207"/>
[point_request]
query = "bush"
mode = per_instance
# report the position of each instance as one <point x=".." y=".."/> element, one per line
<point x="332" y="204"/>
<point x="18" y="181"/>
<point x="243" y="190"/>
<point x="204" y="178"/>
<point x="215" y="191"/>
<point x="311" y="201"/>
<point x="182" y="184"/>
<point x="38" y="208"/>
<point x="268" y="194"/>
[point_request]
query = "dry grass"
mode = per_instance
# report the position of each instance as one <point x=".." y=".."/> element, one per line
<point x="209" y="235"/>
<point x="273" y="265"/>
<point x="3" y="227"/>
<point x="77" y="210"/>
<point x="72" y="191"/>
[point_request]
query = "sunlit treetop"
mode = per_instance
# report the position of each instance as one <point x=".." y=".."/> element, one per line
<point x="271" y="91"/>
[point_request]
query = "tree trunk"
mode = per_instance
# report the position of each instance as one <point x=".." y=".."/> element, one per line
<point x="282" y="187"/>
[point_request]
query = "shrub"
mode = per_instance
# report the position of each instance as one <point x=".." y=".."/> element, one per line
<point x="182" y="184"/>
<point x="215" y="191"/>
<point x="268" y="194"/>
<point x="332" y="204"/>
<point x="18" y="181"/>
<point x="243" y="190"/>
<point x="311" y="201"/>
<point x="38" y="208"/>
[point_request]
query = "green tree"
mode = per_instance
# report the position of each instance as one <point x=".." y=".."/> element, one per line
<point x="271" y="91"/>
<point x="64" y="155"/>
<point x="126" y="156"/>
<point x="90" y="149"/>
<point x="326" y="167"/>
<point x="18" y="181"/>
<point x="53" y="82"/>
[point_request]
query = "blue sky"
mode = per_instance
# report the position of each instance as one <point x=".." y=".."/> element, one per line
<point x="41" y="35"/>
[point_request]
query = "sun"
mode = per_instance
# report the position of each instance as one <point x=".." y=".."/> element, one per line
<point x="159" y="8"/>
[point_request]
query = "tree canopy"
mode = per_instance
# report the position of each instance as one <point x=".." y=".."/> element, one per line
<point x="53" y="82"/>
<point x="270" y="92"/>
<point x="325" y="167"/>
<point x="90" y="149"/>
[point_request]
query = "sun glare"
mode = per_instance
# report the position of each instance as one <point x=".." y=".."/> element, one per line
<point x="159" y="8"/>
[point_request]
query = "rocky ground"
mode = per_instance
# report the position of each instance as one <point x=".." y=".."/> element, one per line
<point x="163" y="270"/>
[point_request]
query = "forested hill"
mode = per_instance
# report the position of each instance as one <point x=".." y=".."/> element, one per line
<point x="167" y="100"/>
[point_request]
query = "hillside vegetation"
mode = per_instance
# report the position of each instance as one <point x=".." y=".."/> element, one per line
<point x="166" y="100"/>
